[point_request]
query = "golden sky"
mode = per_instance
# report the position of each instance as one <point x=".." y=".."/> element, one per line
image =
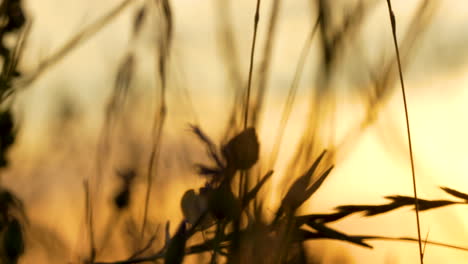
<point x="377" y="165"/>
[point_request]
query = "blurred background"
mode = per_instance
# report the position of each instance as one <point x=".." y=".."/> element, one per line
<point x="348" y="99"/>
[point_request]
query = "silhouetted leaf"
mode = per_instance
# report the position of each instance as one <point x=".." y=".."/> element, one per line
<point x="320" y="218"/>
<point x="369" y="210"/>
<point x="334" y="234"/>
<point x="298" y="193"/>
<point x="317" y="183"/>
<point x="427" y="204"/>
<point x="456" y="193"/>
<point x="423" y="204"/>
<point x="251" y="195"/>
<point x="397" y="201"/>
<point x="193" y="207"/>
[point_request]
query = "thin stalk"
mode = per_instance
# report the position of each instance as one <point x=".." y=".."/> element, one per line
<point x="252" y="55"/>
<point x="265" y="63"/>
<point x="243" y="181"/>
<point x="161" y="111"/>
<point x="425" y="242"/>
<point x="89" y="222"/>
<point x="292" y="93"/>
<point x="154" y="156"/>
<point x="408" y="130"/>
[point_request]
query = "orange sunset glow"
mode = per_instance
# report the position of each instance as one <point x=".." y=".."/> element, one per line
<point x="247" y="131"/>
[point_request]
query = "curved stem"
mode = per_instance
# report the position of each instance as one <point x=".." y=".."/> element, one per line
<point x="408" y="130"/>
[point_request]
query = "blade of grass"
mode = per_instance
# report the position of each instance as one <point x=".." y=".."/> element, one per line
<point x="408" y="130"/>
<point x="330" y="233"/>
<point x="456" y="193"/>
<point x="252" y="55"/>
<point x="292" y="93"/>
<point x="89" y="221"/>
<point x="161" y="109"/>
<point x="425" y="242"/>
<point x="265" y="63"/>
<point x="243" y="181"/>
<point x="253" y="193"/>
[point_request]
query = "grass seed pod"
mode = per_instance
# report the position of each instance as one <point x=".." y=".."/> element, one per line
<point x="241" y="152"/>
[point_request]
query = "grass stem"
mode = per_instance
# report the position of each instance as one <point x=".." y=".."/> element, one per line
<point x="408" y="130"/>
<point x="252" y="55"/>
